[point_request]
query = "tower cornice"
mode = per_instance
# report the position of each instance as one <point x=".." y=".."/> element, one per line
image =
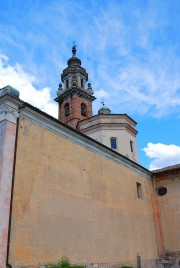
<point x="74" y="70"/>
<point x="74" y="92"/>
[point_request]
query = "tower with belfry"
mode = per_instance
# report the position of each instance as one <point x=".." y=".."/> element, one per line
<point x="75" y="100"/>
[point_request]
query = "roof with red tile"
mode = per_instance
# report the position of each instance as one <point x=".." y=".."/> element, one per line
<point x="169" y="168"/>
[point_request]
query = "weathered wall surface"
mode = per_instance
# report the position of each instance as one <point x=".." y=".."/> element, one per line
<point x="169" y="205"/>
<point x="7" y="142"/>
<point x="71" y="201"/>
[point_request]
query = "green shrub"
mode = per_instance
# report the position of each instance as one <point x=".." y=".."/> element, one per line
<point x="64" y="263"/>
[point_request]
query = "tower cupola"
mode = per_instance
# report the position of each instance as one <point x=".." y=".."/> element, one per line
<point x="74" y="73"/>
<point x="74" y="61"/>
<point x="104" y="109"/>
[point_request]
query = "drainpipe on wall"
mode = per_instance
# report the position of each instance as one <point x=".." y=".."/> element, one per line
<point x="138" y="261"/>
<point x="157" y="219"/>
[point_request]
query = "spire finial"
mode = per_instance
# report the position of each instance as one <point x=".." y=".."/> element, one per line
<point x="74" y="49"/>
<point x="102" y="101"/>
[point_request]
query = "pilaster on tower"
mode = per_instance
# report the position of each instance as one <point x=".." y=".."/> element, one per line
<point x="75" y="100"/>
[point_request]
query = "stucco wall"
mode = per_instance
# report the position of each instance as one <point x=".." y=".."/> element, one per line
<point x="71" y="201"/>
<point x="169" y="205"/>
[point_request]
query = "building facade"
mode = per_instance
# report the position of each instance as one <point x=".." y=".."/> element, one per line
<point x="64" y="193"/>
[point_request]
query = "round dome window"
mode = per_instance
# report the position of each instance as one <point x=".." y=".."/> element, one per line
<point x="161" y="191"/>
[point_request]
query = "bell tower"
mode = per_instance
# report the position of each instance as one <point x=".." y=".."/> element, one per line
<point x="75" y="100"/>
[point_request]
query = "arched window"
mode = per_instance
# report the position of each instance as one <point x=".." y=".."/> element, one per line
<point x="82" y="83"/>
<point x="83" y="109"/>
<point x="66" y="109"/>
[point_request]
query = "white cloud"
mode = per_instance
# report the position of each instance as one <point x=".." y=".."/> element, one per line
<point x="16" y="77"/>
<point x="101" y="94"/>
<point x="141" y="78"/>
<point x="162" y="154"/>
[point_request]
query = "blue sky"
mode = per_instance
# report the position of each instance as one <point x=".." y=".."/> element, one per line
<point x="130" y="49"/>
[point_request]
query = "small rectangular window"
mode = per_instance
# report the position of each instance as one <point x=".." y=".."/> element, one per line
<point x="82" y="83"/>
<point x="66" y="109"/>
<point x="67" y="83"/>
<point x="139" y="190"/>
<point x="131" y="146"/>
<point x="113" y="143"/>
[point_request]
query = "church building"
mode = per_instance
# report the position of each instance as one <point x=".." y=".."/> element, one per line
<point x="73" y="186"/>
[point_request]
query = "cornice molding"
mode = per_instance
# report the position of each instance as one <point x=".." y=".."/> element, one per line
<point x="74" y="91"/>
<point x="17" y="108"/>
<point x="109" y="116"/>
<point x="9" y="110"/>
<point x="109" y="126"/>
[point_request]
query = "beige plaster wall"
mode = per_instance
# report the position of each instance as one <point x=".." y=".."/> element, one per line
<point x="71" y="201"/>
<point x="169" y="206"/>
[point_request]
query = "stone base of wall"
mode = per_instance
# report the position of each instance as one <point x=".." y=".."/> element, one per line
<point x="169" y="260"/>
<point x="144" y="264"/>
<point x="162" y="262"/>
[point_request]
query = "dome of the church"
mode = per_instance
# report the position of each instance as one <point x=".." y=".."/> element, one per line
<point x="104" y="110"/>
